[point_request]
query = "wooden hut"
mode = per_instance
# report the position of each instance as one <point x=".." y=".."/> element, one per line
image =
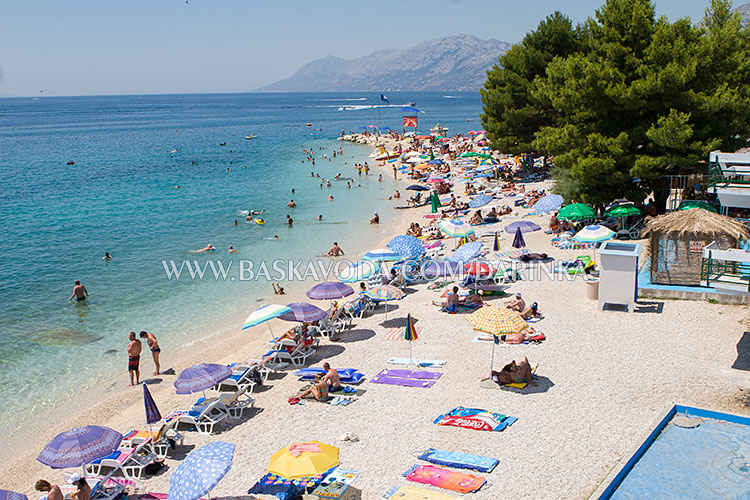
<point x="676" y="242"/>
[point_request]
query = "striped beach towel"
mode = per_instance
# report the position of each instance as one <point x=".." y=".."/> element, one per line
<point x="398" y="333"/>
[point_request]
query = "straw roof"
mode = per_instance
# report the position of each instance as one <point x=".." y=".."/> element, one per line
<point x="697" y="221"/>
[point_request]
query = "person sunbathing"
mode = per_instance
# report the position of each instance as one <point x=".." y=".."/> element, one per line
<point x="476" y="219"/>
<point x="516" y="303"/>
<point x="513" y="373"/>
<point x="334" y="310"/>
<point x="332" y="378"/>
<point x="531" y="312"/>
<point x="475" y="300"/>
<point x="491" y="216"/>
<point x="451" y="300"/>
<point x="53" y="491"/>
<point x="319" y="389"/>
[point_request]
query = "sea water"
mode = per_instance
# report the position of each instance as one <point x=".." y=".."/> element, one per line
<point x="120" y="196"/>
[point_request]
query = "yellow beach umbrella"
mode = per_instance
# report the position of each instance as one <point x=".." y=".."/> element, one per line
<point x="303" y="460"/>
<point x="497" y="321"/>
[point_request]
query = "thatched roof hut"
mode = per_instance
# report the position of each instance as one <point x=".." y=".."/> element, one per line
<point x="676" y="242"/>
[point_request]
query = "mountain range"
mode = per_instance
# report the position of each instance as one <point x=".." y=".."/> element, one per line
<point x="451" y="63"/>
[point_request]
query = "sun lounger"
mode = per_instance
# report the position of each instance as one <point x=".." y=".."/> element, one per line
<point x="424" y="363"/>
<point x="160" y="442"/>
<point x="130" y="459"/>
<point x="102" y="487"/>
<point x="242" y="377"/>
<point x="292" y="352"/>
<point x="204" y="418"/>
<point x="236" y="402"/>
<point x="269" y="364"/>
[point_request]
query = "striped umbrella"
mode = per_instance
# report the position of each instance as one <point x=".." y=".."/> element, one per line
<point x="152" y="412"/>
<point x="382" y="255"/>
<point x="410" y="334"/>
<point x="329" y="290"/>
<point x="201" y="470"/>
<point x="201" y="377"/>
<point x="385" y="293"/>
<point x="303" y="312"/>
<point x="548" y="203"/>
<point x="12" y="495"/>
<point x="467" y="251"/>
<point x="358" y="271"/>
<point x="524" y="225"/>
<point x="480" y="201"/>
<point x="264" y="314"/>
<point x="479" y="270"/>
<point x="456" y="228"/>
<point x="407" y="246"/>
<point x="79" y="446"/>
<point x="594" y="234"/>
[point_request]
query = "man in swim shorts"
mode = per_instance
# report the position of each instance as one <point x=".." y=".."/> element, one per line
<point x="134" y="359"/>
<point x="153" y="344"/>
<point x="79" y="292"/>
<point x="332" y="378"/>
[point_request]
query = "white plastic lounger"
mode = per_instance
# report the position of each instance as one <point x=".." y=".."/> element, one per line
<point x="431" y="363"/>
<point x="236" y="402"/>
<point x="204" y="418"/>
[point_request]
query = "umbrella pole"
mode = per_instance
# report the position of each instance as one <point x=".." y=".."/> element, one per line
<point x="269" y="329"/>
<point x="492" y="359"/>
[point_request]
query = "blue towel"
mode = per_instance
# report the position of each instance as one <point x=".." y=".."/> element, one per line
<point x="459" y="460"/>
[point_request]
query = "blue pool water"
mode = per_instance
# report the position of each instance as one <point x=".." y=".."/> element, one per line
<point x="130" y="153"/>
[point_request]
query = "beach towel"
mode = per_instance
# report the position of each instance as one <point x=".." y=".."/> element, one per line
<point x="444" y="478"/>
<point x="474" y="418"/>
<point x="285" y="489"/>
<point x="397" y="333"/>
<point x="336" y="483"/>
<point x="414" y="493"/>
<point x="403" y="382"/>
<point x="402" y="373"/>
<point x="346" y="375"/>
<point x="424" y="363"/>
<point x="459" y="460"/>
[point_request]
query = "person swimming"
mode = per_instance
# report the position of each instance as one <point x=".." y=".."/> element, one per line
<point x="107" y="257"/>
<point x="289" y="221"/>
<point x="207" y="248"/>
<point x="232" y="249"/>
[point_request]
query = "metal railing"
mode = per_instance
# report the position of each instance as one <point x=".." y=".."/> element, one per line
<point x="736" y="274"/>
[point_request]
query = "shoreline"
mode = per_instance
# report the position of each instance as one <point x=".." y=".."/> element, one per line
<point x="112" y="397"/>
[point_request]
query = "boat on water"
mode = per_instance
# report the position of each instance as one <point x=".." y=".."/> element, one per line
<point x="251" y="136"/>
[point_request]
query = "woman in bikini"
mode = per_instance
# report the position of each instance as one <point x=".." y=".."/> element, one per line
<point x="153" y="344"/>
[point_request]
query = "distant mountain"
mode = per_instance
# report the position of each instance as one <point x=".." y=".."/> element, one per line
<point x="744" y="11"/>
<point x="451" y="63"/>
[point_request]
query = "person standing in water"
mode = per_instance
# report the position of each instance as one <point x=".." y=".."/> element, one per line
<point x="153" y="344"/>
<point x="134" y="359"/>
<point x="107" y="257"/>
<point x="79" y="292"/>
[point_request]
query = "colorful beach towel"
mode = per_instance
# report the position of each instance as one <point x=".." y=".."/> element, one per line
<point x="397" y="333"/>
<point x="444" y="478"/>
<point x="403" y="382"/>
<point x="286" y="489"/>
<point x="474" y="418"/>
<point x="459" y="460"/>
<point x="336" y="483"/>
<point x="403" y="373"/>
<point x="424" y="363"/>
<point x="414" y="493"/>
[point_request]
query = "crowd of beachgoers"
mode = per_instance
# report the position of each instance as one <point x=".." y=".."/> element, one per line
<point x="444" y="364"/>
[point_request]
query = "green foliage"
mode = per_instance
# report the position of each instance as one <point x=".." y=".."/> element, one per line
<point x="624" y="98"/>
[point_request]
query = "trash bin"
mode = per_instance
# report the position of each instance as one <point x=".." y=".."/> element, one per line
<point x="592" y="289"/>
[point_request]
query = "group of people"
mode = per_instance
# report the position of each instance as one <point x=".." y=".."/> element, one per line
<point x="323" y="384"/>
<point x="519" y="305"/>
<point x="134" y="355"/>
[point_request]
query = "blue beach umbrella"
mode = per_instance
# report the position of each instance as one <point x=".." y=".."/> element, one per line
<point x="407" y="246"/>
<point x="12" y="495"/>
<point x="436" y="161"/>
<point x="303" y="312"/>
<point x="432" y="270"/>
<point x="467" y="251"/>
<point x="264" y="314"/>
<point x="480" y="201"/>
<point x="152" y="412"/>
<point x="382" y="255"/>
<point x="524" y="225"/>
<point x="79" y="446"/>
<point x="329" y="290"/>
<point x="201" y="377"/>
<point x="417" y="187"/>
<point x="548" y="203"/>
<point x="455" y="228"/>
<point x="359" y="271"/>
<point x="495" y="244"/>
<point x="518" y="241"/>
<point x="200" y="471"/>
<point x="594" y="234"/>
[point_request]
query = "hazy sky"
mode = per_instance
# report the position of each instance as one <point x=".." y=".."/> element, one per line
<point x="80" y="47"/>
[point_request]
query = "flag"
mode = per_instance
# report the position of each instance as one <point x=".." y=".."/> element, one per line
<point x="410" y="121"/>
<point x="384" y="98"/>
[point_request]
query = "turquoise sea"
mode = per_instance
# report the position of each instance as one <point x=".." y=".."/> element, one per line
<point x="120" y="196"/>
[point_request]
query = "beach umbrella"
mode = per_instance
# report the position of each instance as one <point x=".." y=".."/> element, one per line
<point x="524" y="225"/>
<point x="435" y="201"/>
<point x="480" y="201"/>
<point x="548" y="203"/>
<point x="302" y="312"/>
<point x="201" y="377"/>
<point x="432" y="270"/>
<point x="358" y="271"/>
<point x="263" y="314"/>
<point x="407" y="246"/>
<point x="12" y="495"/>
<point x="410" y="335"/>
<point x="417" y="187"/>
<point x="497" y="321"/>
<point x="329" y="290"/>
<point x="201" y="470"/>
<point x="152" y="412"/>
<point x="455" y="228"/>
<point x="479" y="269"/>
<point x="687" y="205"/>
<point x="385" y="293"/>
<point x="518" y="241"/>
<point x="467" y="251"/>
<point x="484" y="168"/>
<point x="435" y="161"/>
<point x="594" y="234"/>
<point x="303" y="460"/>
<point x="496" y="244"/>
<point x="382" y="255"/>
<point x="622" y="210"/>
<point x="576" y="211"/>
<point x="79" y="446"/>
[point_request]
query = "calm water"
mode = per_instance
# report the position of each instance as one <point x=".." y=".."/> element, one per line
<point x="130" y="152"/>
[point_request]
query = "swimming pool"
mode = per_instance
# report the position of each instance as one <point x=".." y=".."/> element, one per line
<point x="692" y="453"/>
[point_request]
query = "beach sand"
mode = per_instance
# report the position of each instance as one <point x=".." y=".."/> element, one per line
<point x="605" y="379"/>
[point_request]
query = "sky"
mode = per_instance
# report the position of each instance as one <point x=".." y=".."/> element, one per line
<point x="89" y="47"/>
